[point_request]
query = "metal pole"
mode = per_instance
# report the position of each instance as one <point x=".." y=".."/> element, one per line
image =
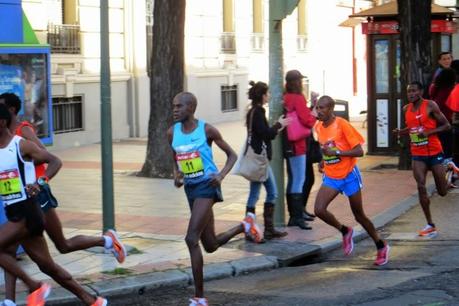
<point x="275" y="106"/>
<point x="108" y="211"/>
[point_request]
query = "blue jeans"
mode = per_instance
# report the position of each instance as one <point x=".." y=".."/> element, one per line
<point x="297" y="167"/>
<point x="270" y="187"/>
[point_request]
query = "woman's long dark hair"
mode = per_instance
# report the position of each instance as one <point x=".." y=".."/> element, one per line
<point x="256" y="93"/>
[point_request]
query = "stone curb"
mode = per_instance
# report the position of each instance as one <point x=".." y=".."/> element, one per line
<point x="139" y="284"/>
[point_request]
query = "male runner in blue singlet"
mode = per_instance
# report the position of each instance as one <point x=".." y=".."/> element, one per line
<point x="191" y="141"/>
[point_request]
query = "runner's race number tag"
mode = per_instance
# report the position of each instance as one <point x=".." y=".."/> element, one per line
<point x="10" y="184"/>
<point x="417" y="140"/>
<point x="190" y="164"/>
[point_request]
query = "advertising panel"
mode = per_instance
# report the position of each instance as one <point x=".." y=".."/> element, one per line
<point x="24" y="72"/>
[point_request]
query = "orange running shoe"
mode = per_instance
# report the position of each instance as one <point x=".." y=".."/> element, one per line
<point x="118" y="249"/>
<point x="251" y="228"/>
<point x="198" y="302"/>
<point x="428" y="231"/>
<point x="38" y="297"/>
<point x="100" y="301"/>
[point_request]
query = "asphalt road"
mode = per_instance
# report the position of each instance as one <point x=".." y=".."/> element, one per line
<point x="420" y="272"/>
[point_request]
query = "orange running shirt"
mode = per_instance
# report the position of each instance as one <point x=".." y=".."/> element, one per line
<point x="417" y="121"/>
<point x="40" y="170"/>
<point x="453" y="99"/>
<point x="340" y="135"/>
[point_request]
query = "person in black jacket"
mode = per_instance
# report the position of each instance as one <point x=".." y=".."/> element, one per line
<point x="261" y="135"/>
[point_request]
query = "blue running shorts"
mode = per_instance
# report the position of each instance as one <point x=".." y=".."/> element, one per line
<point x="349" y="185"/>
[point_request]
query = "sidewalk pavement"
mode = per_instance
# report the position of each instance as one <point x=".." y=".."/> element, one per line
<point x="152" y="217"/>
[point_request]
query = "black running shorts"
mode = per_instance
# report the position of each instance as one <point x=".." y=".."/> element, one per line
<point x="30" y="211"/>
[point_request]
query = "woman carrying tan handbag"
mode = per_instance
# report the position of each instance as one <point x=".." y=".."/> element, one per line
<point x="261" y="134"/>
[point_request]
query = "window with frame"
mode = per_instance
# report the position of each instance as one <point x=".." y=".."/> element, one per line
<point x="229" y="97"/>
<point x="67" y="114"/>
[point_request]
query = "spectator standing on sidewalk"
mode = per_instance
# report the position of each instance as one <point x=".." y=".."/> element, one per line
<point x="341" y="145"/>
<point x="261" y="134"/>
<point x="424" y="121"/>
<point x="439" y="92"/>
<point x="295" y="151"/>
<point x="191" y="140"/>
<point x="444" y="60"/>
<point x="310" y="178"/>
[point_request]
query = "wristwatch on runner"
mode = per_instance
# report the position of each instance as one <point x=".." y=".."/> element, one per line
<point x="42" y="180"/>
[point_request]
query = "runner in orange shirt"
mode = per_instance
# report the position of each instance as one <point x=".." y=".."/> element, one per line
<point x="341" y="145"/>
<point x="424" y="120"/>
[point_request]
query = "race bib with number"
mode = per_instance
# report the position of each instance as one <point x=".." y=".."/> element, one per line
<point x="331" y="159"/>
<point x="417" y="140"/>
<point x="10" y="185"/>
<point x="190" y="164"/>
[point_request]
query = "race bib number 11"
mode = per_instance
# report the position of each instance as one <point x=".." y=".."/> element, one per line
<point x="190" y="164"/>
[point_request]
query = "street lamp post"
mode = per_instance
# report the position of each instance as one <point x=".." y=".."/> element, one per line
<point x="278" y="10"/>
<point x="108" y="211"/>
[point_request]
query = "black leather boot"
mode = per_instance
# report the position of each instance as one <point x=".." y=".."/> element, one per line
<point x="270" y="231"/>
<point x="297" y="209"/>
<point x="290" y="209"/>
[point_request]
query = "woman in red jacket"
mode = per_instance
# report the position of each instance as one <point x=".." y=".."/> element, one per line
<point x="294" y="101"/>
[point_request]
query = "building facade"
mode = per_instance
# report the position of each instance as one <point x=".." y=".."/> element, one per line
<point x="226" y="45"/>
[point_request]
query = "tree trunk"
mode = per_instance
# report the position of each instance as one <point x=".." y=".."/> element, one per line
<point x="166" y="80"/>
<point x="415" y="55"/>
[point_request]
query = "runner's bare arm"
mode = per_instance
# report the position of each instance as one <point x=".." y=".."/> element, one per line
<point x="29" y="134"/>
<point x="356" y="151"/>
<point x="214" y="135"/>
<point x="405" y="130"/>
<point x="178" y="175"/>
<point x="30" y="150"/>
<point x="442" y="123"/>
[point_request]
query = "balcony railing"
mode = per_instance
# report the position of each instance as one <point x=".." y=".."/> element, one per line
<point x="258" y="42"/>
<point x="302" y="43"/>
<point x="228" y="43"/>
<point x="64" y="38"/>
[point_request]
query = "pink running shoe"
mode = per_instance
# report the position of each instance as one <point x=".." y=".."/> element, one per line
<point x="348" y="242"/>
<point x="382" y="257"/>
